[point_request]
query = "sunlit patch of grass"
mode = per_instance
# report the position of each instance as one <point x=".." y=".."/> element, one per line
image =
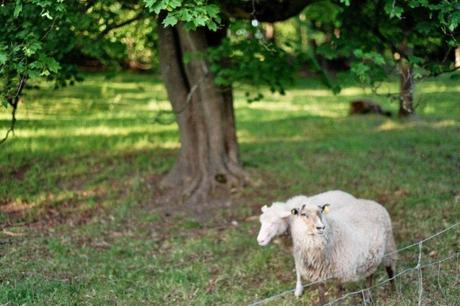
<point x="92" y="154"/>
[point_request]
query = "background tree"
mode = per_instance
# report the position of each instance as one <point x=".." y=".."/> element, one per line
<point x="204" y="49"/>
<point x="48" y="39"/>
<point x="199" y="84"/>
<point x="415" y="38"/>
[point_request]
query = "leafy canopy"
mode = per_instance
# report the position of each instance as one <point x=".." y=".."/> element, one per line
<point x="44" y="39"/>
<point x="375" y="35"/>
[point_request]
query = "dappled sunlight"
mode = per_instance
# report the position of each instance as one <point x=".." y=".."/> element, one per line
<point x="89" y="172"/>
<point x="252" y="139"/>
<point x="349" y="91"/>
<point x="439" y="107"/>
<point x="446" y="123"/>
<point x="79" y="198"/>
<point x="88" y="143"/>
<point x="389" y="125"/>
<point x="316" y="109"/>
<point x="102" y="130"/>
<point x="120" y="114"/>
<point x="436" y="87"/>
<point x="146" y="142"/>
<point x="14" y="207"/>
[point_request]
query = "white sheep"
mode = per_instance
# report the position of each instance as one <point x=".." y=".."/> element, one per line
<point x="274" y="220"/>
<point x="346" y="244"/>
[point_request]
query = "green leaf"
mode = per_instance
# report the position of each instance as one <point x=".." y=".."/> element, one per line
<point x="415" y="60"/>
<point x="200" y="21"/>
<point x="4" y="102"/>
<point x="358" y="53"/>
<point x="454" y="20"/>
<point x="393" y="10"/>
<point x="32" y="48"/>
<point x="149" y="3"/>
<point x="17" y="8"/>
<point x="170" y="20"/>
<point x="3" y="58"/>
<point x="47" y="15"/>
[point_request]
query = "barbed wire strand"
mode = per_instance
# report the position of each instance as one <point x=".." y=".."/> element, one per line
<point x="424" y="240"/>
<point x="439" y="282"/>
<point x="420" y="275"/>
<point x="286" y="292"/>
<point x="417" y="267"/>
<point x="458" y="269"/>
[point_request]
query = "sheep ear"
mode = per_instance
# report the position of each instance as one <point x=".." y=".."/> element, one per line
<point x="284" y="213"/>
<point x="325" y="208"/>
<point x="264" y="208"/>
<point x="294" y="211"/>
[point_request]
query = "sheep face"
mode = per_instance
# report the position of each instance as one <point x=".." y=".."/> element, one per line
<point x="273" y="222"/>
<point x="311" y="218"/>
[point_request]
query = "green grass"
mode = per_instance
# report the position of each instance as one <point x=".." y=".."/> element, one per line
<point x="78" y="184"/>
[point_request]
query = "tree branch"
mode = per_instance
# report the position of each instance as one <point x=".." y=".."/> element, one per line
<point x="13" y="101"/>
<point x="121" y="24"/>
<point x="264" y="10"/>
<point x="89" y="4"/>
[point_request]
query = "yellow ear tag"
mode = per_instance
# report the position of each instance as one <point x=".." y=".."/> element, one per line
<point x="326" y="209"/>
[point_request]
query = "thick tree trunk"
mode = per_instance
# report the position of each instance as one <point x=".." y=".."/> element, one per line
<point x="406" y="92"/>
<point x="208" y="155"/>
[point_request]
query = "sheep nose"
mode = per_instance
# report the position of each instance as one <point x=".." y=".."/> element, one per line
<point x="320" y="228"/>
<point x="262" y="242"/>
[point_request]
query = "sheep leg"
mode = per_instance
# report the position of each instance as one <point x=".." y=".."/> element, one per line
<point x="298" y="286"/>
<point x="370" y="280"/>
<point x="322" y="291"/>
<point x="340" y="290"/>
<point x="367" y="298"/>
<point x="339" y="293"/>
<point x="391" y="273"/>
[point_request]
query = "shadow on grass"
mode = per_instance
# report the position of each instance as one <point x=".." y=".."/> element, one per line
<point x="45" y="171"/>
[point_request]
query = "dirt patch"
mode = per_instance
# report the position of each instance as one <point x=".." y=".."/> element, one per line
<point x="17" y="173"/>
<point x="52" y="217"/>
<point x="223" y="204"/>
<point x="72" y="211"/>
<point x="13" y="208"/>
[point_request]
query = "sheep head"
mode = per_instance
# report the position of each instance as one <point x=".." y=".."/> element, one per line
<point x="312" y="218"/>
<point x="273" y="222"/>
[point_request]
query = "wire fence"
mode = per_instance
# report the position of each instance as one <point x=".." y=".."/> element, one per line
<point x="365" y="293"/>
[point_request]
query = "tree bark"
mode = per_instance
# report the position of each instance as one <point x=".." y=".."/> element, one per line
<point x="407" y="87"/>
<point x="270" y="32"/>
<point x="208" y="155"/>
<point x="457" y="57"/>
<point x="406" y="82"/>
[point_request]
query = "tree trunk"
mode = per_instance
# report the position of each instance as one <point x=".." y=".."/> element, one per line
<point x="270" y="32"/>
<point x="301" y="28"/>
<point x="406" y="92"/>
<point x="457" y="57"/>
<point x="208" y="155"/>
<point x="406" y="82"/>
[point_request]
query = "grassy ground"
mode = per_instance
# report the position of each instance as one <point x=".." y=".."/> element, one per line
<point x="78" y="184"/>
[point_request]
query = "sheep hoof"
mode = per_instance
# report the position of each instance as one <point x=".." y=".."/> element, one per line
<point x="298" y="291"/>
